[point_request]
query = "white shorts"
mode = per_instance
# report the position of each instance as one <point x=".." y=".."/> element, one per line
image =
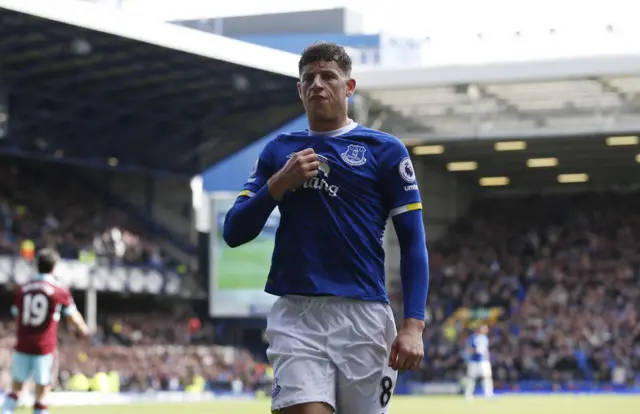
<point x="480" y="369"/>
<point x="331" y="350"/>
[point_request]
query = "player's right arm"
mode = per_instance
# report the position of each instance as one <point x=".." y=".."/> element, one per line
<point x="15" y="307"/>
<point x="262" y="192"/>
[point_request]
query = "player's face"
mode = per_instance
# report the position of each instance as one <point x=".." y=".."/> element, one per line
<point x="324" y="89"/>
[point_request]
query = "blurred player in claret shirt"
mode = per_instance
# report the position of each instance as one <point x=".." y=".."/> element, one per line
<point x="332" y="338"/>
<point x="37" y="307"/>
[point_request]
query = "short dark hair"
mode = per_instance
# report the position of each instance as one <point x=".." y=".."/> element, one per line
<point x="326" y="52"/>
<point x="46" y="260"/>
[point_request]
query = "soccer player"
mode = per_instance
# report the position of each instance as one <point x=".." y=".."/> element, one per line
<point x="332" y="338"/>
<point x="479" y="364"/>
<point x="37" y="307"/>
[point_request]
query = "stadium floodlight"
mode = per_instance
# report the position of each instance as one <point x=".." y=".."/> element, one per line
<point x="510" y="146"/>
<point x="494" y="181"/>
<point x="542" y="162"/>
<point x="428" y="150"/>
<point x="626" y="140"/>
<point x="462" y="166"/>
<point x="573" y="178"/>
<point x="112" y="161"/>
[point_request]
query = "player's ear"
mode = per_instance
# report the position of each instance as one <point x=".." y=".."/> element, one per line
<point x="299" y="91"/>
<point x="351" y="87"/>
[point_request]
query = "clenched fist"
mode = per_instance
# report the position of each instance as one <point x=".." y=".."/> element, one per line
<point x="407" y="351"/>
<point x="299" y="168"/>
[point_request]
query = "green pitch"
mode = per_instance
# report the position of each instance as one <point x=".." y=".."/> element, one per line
<point x="245" y="267"/>
<point x="405" y="405"/>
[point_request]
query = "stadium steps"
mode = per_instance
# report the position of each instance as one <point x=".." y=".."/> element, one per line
<point x="178" y="246"/>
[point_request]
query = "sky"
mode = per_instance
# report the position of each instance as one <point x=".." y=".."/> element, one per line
<point x="422" y="18"/>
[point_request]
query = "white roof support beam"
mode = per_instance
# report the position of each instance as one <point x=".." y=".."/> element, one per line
<point x="540" y="70"/>
<point x="103" y="19"/>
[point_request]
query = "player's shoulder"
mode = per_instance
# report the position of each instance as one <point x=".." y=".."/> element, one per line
<point x="284" y="140"/>
<point x="378" y="140"/>
<point x="374" y="134"/>
<point x="56" y="284"/>
<point x="291" y="135"/>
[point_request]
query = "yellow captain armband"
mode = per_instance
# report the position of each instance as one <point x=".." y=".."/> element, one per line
<point x="245" y="193"/>
<point x="404" y="209"/>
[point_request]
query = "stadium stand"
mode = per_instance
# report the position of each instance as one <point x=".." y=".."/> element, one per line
<point x="109" y="92"/>
<point x="88" y="96"/>
<point x="565" y="271"/>
<point x="563" y="268"/>
<point x="557" y="276"/>
<point x="149" y="353"/>
<point x="40" y="203"/>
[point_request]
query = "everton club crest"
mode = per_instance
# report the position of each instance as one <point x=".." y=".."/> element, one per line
<point x="354" y="155"/>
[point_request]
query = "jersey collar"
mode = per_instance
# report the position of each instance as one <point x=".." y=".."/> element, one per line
<point x="336" y="132"/>
<point x="45" y="277"/>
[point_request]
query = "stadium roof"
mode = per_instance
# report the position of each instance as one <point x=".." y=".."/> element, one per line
<point x="596" y="161"/>
<point x="96" y="86"/>
<point x="549" y="97"/>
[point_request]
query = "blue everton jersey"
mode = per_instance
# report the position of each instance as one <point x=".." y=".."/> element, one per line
<point x="329" y="241"/>
<point x="479" y="345"/>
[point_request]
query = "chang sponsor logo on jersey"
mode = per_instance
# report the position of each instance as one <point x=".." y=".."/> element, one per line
<point x="319" y="182"/>
<point x="324" y="165"/>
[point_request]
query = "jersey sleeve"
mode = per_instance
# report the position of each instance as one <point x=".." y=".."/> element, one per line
<point x="398" y="179"/>
<point x="67" y="302"/>
<point x="262" y="170"/>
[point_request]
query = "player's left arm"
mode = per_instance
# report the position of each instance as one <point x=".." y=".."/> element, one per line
<point x="400" y="188"/>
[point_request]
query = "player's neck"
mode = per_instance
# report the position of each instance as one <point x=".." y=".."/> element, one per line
<point x="328" y="126"/>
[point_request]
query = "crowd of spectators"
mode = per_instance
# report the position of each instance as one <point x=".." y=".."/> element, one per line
<point x="41" y="204"/>
<point x="565" y="270"/>
<point x="151" y="351"/>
